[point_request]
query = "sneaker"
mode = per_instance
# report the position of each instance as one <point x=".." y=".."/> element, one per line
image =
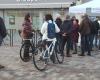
<point x="81" y="54"/>
<point x="74" y="53"/>
<point x="27" y="59"/>
<point x="52" y="58"/>
<point x="68" y="55"/>
<point x="61" y="54"/>
<point x="1" y="66"/>
<point x="89" y="54"/>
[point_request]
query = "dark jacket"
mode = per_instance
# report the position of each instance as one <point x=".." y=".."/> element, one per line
<point x="59" y="23"/>
<point x="3" y="31"/>
<point x="85" y="26"/>
<point x="26" y="29"/>
<point x="96" y="26"/>
<point x="66" y="27"/>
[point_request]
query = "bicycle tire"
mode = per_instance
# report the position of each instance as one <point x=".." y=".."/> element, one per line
<point x="59" y="57"/>
<point x="22" y="53"/>
<point x="39" y="63"/>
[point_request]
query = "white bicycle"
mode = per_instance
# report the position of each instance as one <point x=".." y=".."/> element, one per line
<point x="43" y="56"/>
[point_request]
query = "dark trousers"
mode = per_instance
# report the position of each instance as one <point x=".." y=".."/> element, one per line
<point x="75" y="47"/>
<point x="91" y="40"/>
<point x="85" y="43"/>
<point x="26" y="49"/>
<point x="68" y="45"/>
<point x="58" y="43"/>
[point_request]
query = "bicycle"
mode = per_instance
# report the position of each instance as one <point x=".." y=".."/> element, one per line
<point x="45" y="54"/>
<point x="37" y="53"/>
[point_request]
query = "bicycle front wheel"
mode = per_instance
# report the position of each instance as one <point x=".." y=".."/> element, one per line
<point x="38" y="60"/>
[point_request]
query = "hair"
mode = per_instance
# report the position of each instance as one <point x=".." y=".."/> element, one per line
<point x="27" y="17"/>
<point x="77" y="20"/>
<point x="67" y="17"/>
<point x="73" y="17"/>
<point x="48" y="17"/>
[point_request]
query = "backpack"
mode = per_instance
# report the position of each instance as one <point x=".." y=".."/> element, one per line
<point x="51" y="30"/>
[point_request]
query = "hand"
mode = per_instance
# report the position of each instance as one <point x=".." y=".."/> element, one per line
<point x="64" y="34"/>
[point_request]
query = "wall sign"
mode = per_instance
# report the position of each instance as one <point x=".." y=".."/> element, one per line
<point x="12" y="20"/>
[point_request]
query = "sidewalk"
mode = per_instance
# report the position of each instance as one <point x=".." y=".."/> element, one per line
<point x="74" y="68"/>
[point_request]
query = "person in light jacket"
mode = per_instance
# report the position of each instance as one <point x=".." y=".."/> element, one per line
<point x="48" y="18"/>
<point x="44" y="31"/>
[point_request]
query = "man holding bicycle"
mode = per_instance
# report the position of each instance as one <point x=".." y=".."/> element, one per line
<point x="49" y="30"/>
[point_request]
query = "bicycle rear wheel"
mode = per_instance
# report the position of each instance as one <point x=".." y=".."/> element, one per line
<point x="59" y="57"/>
<point x="38" y="60"/>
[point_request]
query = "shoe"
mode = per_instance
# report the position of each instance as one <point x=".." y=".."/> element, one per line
<point x="89" y="54"/>
<point x="52" y="58"/>
<point x="81" y="54"/>
<point x="61" y="54"/>
<point x="74" y="53"/>
<point x="68" y="55"/>
<point x="26" y="59"/>
<point x="1" y="66"/>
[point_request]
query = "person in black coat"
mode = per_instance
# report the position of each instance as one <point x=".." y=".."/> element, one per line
<point x="66" y="29"/>
<point x="3" y="31"/>
<point x="97" y="27"/>
<point x="2" y="34"/>
<point x="59" y="35"/>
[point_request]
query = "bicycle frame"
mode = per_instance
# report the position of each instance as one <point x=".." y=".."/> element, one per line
<point x="48" y="51"/>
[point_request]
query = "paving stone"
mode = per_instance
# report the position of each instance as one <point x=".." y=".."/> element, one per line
<point x="73" y="68"/>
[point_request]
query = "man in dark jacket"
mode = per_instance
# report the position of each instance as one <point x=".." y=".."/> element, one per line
<point x="59" y="35"/>
<point x="66" y="29"/>
<point x="85" y="31"/>
<point x="3" y="31"/>
<point x="2" y="34"/>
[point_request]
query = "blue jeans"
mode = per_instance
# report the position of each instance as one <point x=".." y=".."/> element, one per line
<point x="91" y="40"/>
<point x="96" y="41"/>
<point x="85" y="43"/>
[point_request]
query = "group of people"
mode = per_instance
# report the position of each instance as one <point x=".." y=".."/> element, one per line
<point x="70" y="30"/>
<point x="66" y="32"/>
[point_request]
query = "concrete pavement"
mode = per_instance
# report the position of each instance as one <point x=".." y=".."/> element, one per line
<point x="73" y="68"/>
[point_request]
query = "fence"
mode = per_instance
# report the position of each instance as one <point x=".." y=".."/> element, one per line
<point x="13" y="37"/>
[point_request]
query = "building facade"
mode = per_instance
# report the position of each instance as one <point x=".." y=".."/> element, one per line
<point x="13" y="11"/>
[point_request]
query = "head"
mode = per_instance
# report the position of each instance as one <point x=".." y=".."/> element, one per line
<point x="75" y="21"/>
<point x="48" y="17"/>
<point x="67" y="17"/>
<point x="96" y="19"/>
<point x="27" y="17"/>
<point x="73" y="17"/>
<point x="58" y="16"/>
<point x="85" y="16"/>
